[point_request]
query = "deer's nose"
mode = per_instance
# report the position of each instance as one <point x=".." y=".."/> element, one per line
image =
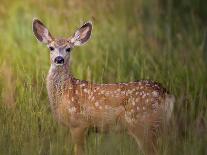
<point x="59" y="60"/>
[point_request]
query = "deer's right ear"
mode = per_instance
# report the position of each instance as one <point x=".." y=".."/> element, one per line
<point x="41" y="32"/>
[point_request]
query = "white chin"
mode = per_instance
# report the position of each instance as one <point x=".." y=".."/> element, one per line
<point x="58" y="64"/>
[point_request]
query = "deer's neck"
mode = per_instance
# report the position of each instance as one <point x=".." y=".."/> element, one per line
<point x="59" y="73"/>
<point x="58" y="79"/>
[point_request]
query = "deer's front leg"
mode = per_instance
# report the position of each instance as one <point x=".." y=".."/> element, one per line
<point x="78" y="137"/>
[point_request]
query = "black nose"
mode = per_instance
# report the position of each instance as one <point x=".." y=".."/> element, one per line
<point x="59" y="60"/>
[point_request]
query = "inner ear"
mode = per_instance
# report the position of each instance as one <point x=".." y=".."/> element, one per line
<point x="83" y="34"/>
<point x="41" y="32"/>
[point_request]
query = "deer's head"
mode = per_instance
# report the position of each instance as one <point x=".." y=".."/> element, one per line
<point x="60" y="49"/>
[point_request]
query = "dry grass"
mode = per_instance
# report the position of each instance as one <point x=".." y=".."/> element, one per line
<point x="131" y="40"/>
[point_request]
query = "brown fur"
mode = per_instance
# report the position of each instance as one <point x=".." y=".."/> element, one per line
<point x="140" y="107"/>
<point x="80" y="105"/>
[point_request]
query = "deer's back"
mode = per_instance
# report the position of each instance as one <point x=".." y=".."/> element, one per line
<point x="103" y="105"/>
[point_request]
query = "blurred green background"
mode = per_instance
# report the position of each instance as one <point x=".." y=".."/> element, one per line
<point x="162" y="40"/>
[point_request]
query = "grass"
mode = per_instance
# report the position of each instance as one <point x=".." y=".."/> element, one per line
<point x="131" y="40"/>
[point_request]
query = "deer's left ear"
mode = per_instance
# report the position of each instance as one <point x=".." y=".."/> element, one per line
<point x="82" y="35"/>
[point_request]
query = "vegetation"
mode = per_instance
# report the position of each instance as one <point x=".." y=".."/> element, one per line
<point x="132" y="39"/>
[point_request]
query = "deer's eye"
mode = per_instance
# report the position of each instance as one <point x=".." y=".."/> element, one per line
<point x="68" y="49"/>
<point x="51" y="48"/>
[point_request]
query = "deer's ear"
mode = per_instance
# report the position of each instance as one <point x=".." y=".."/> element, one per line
<point x="41" y="32"/>
<point x="82" y="35"/>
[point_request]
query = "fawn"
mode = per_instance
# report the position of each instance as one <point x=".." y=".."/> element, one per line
<point x="140" y="108"/>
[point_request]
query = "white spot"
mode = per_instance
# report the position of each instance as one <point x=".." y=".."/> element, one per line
<point x="155" y="93"/>
<point x="144" y="95"/>
<point x="133" y="103"/>
<point x="76" y="91"/>
<point x="102" y="92"/>
<point x="118" y="90"/>
<point x="107" y="93"/>
<point x="82" y="85"/>
<point x="72" y="109"/>
<point x="122" y="92"/>
<point x="96" y="104"/>
<point x="129" y="92"/>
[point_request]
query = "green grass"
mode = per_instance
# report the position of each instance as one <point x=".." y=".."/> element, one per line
<point x="131" y="40"/>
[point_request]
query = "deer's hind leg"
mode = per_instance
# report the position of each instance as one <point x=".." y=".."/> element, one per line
<point x="78" y="137"/>
<point x="145" y="137"/>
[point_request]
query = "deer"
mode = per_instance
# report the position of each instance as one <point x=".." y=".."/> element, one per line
<point x="140" y="108"/>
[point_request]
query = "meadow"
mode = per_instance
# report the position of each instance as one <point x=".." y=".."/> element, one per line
<point x="131" y="40"/>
